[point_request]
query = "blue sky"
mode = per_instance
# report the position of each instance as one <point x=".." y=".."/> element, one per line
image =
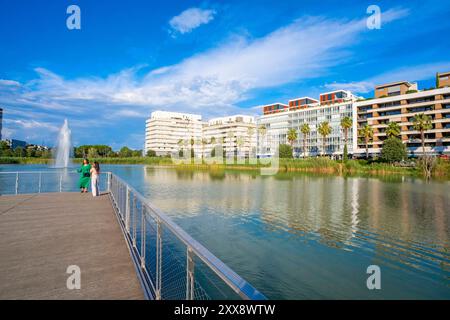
<point x="209" y="57"/>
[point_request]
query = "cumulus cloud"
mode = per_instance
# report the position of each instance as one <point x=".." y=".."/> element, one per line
<point x="191" y="19"/>
<point x="211" y="83"/>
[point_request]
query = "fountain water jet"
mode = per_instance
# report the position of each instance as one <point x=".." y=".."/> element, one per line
<point x="63" y="146"/>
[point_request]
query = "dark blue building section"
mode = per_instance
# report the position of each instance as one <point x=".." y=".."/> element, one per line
<point x="18" y="143"/>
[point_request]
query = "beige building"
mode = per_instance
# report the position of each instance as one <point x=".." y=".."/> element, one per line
<point x="235" y="133"/>
<point x="168" y="132"/>
<point x="399" y="102"/>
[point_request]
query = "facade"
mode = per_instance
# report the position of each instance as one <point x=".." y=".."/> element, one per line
<point x="14" y="143"/>
<point x="233" y="133"/>
<point x="168" y="132"/>
<point x="332" y="107"/>
<point x="399" y="102"/>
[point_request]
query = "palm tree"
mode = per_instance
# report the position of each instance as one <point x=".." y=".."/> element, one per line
<point x="204" y="142"/>
<point x="180" y="147"/>
<point x="346" y="123"/>
<point x="393" y="130"/>
<point x="324" y="130"/>
<point x="422" y="123"/>
<point x="305" y="130"/>
<point x="367" y="133"/>
<point x="291" y="136"/>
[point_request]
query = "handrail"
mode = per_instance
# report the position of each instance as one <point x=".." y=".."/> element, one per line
<point x="194" y="248"/>
<point x="231" y="278"/>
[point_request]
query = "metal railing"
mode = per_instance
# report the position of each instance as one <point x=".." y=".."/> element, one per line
<point x="169" y="262"/>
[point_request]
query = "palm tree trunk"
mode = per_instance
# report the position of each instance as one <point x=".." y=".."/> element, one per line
<point x="304" y="147"/>
<point x="422" y="137"/>
<point x="367" y="149"/>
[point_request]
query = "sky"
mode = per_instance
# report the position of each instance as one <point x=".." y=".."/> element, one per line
<point x="212" y="58"/>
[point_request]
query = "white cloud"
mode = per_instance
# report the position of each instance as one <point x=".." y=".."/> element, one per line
<point x="191" y="19"/>
<point x="9" y="83"/>
<point x="211" y="83"/>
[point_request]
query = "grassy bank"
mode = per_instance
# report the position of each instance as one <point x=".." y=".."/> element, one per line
<point x="312" y="165"/>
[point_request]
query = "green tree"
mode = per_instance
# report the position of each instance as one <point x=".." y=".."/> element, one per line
<point x="422" y="123"/>
<point x="136" y="153"/>
<point x="20" y="152"/>
<point x="125" y="152"/>
<point x="285" y="151"/>
<point x="346" y="124"/>
<point x="367" y="133"/>
<point x="92" y="153"/>
<point x="393" y="130"/>
<point x="305" y="130"/>
<point x="324" y="130"/>
<point x="393" y="150"/>
<point x="151" y="153"/>
<point x="292" y="136"/>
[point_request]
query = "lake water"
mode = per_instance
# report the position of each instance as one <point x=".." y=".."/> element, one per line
<point x="296" y="236"/>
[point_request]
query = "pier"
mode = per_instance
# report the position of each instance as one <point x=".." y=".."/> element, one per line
<point x="43" y="234"/>
<point x="123" y="246"/>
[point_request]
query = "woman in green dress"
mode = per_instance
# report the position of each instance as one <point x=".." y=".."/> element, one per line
<point x="85" y="176"/>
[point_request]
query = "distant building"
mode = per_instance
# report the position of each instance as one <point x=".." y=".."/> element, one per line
<point x="278" y="119"/>
<point x="399" y="102"/>
<point x="234" y="133"/>
<point x="167" y="132"/>
<point x="17" y="143"/>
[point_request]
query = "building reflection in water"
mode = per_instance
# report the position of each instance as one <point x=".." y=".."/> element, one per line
<point x="394" y="221"/>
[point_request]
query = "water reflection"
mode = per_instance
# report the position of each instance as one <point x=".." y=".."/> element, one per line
<point x="400" y="224"/>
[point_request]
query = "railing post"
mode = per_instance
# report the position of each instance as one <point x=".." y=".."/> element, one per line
<point x="17" y="183"/>
<point x="127" y="209"/>
<point x="158" y="259"/>
<point x="143" y="236"/>
<point x="60" y="182"/>
<point x="189" y="274"/>
<point x="134" y="220"/>
<point x="108" y="183"/>
<point x="40" y="179"/>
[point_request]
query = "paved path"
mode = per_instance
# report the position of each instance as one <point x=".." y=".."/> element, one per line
<point x="42" y="234"/>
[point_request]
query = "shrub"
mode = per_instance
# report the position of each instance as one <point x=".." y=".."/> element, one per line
<point x="393" y="150"/>
<point x="285" y="151"/>
<point x="151" y="153"/>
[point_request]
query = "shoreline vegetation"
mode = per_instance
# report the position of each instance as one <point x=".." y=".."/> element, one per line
<point x="310" y="165"/>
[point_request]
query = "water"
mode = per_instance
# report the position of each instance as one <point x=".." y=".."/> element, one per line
<point x="297" y="236"/>
<point x="63" y="146"/>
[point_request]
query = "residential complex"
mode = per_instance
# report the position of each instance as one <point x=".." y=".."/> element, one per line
<point x="399" y="102"/>
<point x="168" y="132"/>
<point x="235" y="134"/>
<point x="279" y="118"/>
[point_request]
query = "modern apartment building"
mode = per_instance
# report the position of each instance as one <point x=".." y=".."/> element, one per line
<point x="168" y="132"/>
<point x="399" y="102"/>
<point x="235" y="133"/>
<point x="332" y="107"/>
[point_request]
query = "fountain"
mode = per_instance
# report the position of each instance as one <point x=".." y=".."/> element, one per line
<point x="63" y="146"/>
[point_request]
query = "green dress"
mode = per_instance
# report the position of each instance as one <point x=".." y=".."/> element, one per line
<point x="85" y="176"/>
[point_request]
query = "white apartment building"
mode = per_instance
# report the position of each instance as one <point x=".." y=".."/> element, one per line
<point x="168" y="132"/>
<point x="333" y="107"/>
<point x="234" y="133"/>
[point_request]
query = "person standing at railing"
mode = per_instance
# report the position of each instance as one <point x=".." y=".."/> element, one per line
<point x="95" y="172"/>
<point x="85" y="176"/>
